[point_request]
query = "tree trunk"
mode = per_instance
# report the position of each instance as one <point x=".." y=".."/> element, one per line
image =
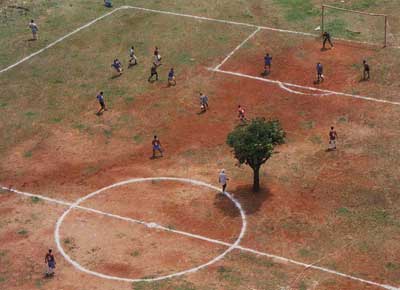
<point x="256" y="179"/>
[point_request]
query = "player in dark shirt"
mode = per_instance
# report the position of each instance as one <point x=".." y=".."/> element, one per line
<point x="50" y="263"/>
<point x="153" y="72"/>
<point x="171" y="78"/>
<point x="332" y="139"/>
<point x="326" y="37"/>
<point x="320" y="73"/>
<point x="366" y="70"/>
<point x="267" y="64"/>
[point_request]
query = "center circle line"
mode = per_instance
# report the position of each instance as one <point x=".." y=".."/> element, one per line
<point x="79" y="267"/>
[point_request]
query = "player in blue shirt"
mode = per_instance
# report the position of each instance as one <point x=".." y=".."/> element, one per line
<point x="117" y="65"/>
<point x="171" y="77"/>
<point x="267" y="64"/>
<point x="100" y="98"/>
<point x="107" y="3"/>
<point x="320" y="73"/>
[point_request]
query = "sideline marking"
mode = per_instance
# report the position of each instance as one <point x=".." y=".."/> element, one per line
<point x="275" y="257"/>
<point x="327" y="92"/>
<point x="150" y="225"/>
<point x="59" y="40"/>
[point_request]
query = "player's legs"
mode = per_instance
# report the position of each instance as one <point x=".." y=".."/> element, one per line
<point x="223" y="187"/>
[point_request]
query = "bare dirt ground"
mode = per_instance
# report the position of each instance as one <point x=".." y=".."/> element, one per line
<point x="333" y="209"/>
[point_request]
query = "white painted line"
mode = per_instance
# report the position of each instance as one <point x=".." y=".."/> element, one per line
<point x="275" y="257"/>
<point x="327" y="92"/>
<point x="174" y="14"/>
<point x="237" y="48"/>
<point x="27" y="194"/>
<point x="323" y="269"/>
<point x="282" y="86"/>
<point x="58" y="40"/>
<point x="217" y="20"/>
<point x="79" y="267"/>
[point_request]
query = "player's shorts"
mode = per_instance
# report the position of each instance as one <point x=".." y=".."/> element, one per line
<point x="102" y="105"/>
<point x="157" y="147"/>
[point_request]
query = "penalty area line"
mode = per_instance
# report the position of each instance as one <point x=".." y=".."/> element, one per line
<point x="238" y="47"/>
<point x="323" y="91"/>
<point x="238" y="247"/>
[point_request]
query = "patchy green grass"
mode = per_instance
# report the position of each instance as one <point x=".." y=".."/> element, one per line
<point x="340" y="28"/>
<point x="343" y="211"/>
<point x="302" y="285"/>
<point x="298" y="10"/>
<point x="316" y="139"/>
<point x="28" y="154"/>
<point x="35" y="199"/>
<point x="308" y="124"/>
<point x="22" y="232"/>
<point x="135" y="253"/>
<point x="138" y="139"/>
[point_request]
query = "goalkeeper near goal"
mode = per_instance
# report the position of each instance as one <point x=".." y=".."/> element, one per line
<point x="326" y="37"/>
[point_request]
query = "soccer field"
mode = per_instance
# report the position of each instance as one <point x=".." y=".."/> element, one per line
<point x="85" y="185"/>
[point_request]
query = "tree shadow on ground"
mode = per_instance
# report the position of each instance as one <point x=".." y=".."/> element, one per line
<point x="250" y="201"/>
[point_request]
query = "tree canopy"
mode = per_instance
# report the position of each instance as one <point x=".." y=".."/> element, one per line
<point x="253" y="144"/>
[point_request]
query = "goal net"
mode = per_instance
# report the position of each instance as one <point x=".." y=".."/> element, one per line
<point x="371" y="28"/>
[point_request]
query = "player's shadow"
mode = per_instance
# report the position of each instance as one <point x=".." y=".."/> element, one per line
<point x="265" y="74"/>
<point x="250" y="201"/>
<point x="116" y="76"/>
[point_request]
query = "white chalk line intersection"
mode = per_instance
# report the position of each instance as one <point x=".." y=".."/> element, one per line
<point x="256" y="252"/>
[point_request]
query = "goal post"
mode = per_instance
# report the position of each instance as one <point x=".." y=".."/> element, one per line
<point x="370" y="28"/>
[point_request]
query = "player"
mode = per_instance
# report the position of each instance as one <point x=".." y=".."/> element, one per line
<point x="267" y="64"/>
<point x="366" y="70"/>
<point x="320" y="73"/>
<point x="50" y="263"/>
<point x="34" y="28"/>
<point x="108" y="3"/>
<point x="100" y="98"/>
<point x="333" y="136"/>
<point x="223" y="180"/>
<point x="156" y="147"/>
<point x="118" y="66"/>
<point x="241" y="114"/>
<point x="132" y="56"/>
<point x="171" y="77"/>
<point x="326" y="36"/>
<point x="157" y="57"/>
<point x="153" y="72"/>
<point x="203" y="102"/>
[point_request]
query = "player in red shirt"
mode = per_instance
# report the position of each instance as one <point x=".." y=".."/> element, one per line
<point x="241" y="114"/>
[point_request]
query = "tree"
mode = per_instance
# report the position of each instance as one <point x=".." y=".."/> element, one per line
<point x="253" y="144"/>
